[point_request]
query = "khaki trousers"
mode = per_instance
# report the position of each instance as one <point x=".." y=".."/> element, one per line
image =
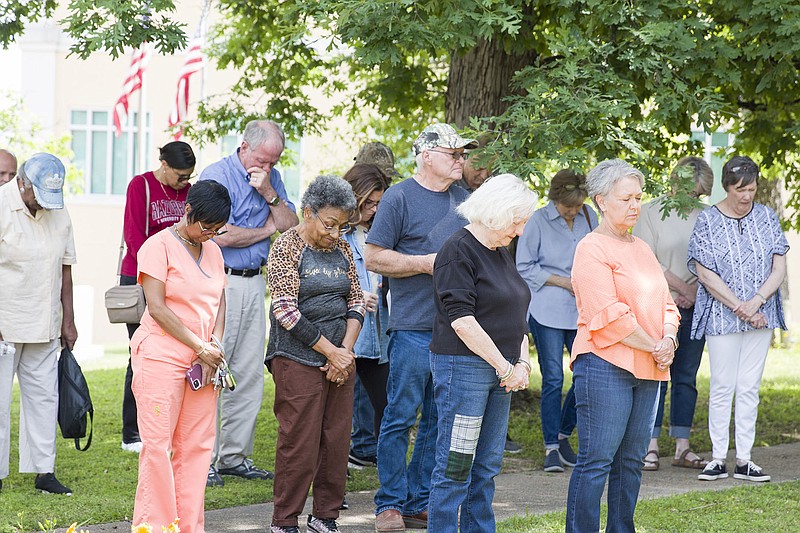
<point x="36" y="367"/>
<point x="245" y="331"/>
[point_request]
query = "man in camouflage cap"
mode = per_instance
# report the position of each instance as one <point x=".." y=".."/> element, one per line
<point x="416" y="217"/>
<point x="380" y="155"/>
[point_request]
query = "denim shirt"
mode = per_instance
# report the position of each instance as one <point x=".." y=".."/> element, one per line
<point x="368" y="344"/>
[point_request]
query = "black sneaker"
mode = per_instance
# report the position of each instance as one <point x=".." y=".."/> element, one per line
<point x="714" y="470"/>
<point x="357" y="462"/>
<point x="214" y="479"/>
<point x="552" y="462"/>
<point x="48" y="484"/>
<point x="247" y="470"/>
<point x="511" y="446"/>
<point x="750" y="472"/>
<point x="322" y="525"/>
<point x="345" y="506"/>
<point x="566" y="453"/>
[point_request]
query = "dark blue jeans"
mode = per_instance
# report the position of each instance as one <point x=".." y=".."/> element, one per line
<point x="362" y="439"/>
<point x="615" y="415"/>
<point x="473" y="421"/>
<point x="684" y="382"/>
<point x="550" y="344"/>
<point x="406" y="488"/>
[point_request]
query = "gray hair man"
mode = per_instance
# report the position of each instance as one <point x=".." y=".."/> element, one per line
<point x="8" y="166"/>
<point x="416" y="216"/>
<point x="36" y="269"/>
<point x="260" y="207"/>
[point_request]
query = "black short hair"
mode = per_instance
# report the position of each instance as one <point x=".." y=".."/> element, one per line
<point x="739" y="168"/>
<point x="210" y="201"/>
<point x="178" y="155"/>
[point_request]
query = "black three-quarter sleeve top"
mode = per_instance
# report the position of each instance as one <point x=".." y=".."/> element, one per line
<point x="470" y="279"/>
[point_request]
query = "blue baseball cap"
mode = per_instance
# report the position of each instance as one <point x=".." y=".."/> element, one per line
<point x="46" y="172"/>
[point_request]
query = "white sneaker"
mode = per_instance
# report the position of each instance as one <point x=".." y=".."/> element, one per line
<point x="135" y="447"/>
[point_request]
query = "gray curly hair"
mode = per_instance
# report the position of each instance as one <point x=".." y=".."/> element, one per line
<point x="329" y="191"/>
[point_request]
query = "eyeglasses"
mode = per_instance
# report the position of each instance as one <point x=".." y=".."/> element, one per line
<point x="209" y="230"/>
<point x="341" y="230"/>
<point x="369" y="204"/>
<point x="455" y="155"/>
<point x="183" y="177"/>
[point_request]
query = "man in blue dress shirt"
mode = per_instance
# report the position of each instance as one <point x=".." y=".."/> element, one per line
<point x="259" y="208"/>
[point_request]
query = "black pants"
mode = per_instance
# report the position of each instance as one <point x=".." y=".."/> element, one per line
<point x="130" y="427"/>
<point x="374" y="378"/>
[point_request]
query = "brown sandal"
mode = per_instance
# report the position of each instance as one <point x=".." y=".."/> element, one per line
<point x="683" y="462"/>
<point x="651" y="465"/>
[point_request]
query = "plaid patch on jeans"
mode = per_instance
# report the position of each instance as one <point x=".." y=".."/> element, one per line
<point x="463" y="442"/>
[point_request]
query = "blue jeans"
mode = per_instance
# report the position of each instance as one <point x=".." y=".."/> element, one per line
<point x="362" y="438"/>
<point x="473" y="420"/>
<point x="684" y="382"/>
<point x="550" y="344"/>
<point x="615" y="415"/>
<point x="406" y="488"/>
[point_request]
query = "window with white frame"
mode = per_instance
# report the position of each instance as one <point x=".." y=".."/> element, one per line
<point x="106" y="160"/>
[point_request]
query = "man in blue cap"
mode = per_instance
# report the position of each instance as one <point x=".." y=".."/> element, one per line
<point x="37" y="251"/>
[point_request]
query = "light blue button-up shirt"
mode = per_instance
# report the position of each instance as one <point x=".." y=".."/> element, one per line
<point x="546" y="247"/>
<point x="248" y="208"/>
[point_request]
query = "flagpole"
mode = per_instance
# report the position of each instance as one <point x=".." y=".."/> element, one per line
<point x="203" y="74"/>
<point x="141" y="164"/>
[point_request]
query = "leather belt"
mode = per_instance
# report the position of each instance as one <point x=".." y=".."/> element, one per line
<point x="246" y="273"/>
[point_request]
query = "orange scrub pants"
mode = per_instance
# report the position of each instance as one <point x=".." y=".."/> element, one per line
<point x="176" y="425"/>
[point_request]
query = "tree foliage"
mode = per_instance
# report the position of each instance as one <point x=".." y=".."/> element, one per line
<point x="601" y="78"/>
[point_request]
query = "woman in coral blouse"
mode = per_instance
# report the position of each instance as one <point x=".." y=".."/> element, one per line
<point x="182" y="273"/>
<point x="626" y="340"/>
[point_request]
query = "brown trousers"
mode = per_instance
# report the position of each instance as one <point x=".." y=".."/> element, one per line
<point x="314" y="420"/>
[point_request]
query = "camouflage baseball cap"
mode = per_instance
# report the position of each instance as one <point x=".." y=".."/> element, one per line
<point x="443" y="135"/>
<point x="380" y="155"/>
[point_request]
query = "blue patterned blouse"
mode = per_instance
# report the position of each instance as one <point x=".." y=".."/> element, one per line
<point x="740" y="251"/>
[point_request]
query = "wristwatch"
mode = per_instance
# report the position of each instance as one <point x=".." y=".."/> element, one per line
<point x="274" y="201"/>
<point x="674" y="339"/>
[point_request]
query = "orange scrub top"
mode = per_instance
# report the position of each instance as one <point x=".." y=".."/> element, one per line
<point x="192" y="291"/>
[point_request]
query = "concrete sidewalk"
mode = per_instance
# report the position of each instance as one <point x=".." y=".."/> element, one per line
<point x="516" y="494"/>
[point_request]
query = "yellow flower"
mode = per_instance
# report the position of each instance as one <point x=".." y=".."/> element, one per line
<point x="172" y="528"/>
<point x="72" y="527"/>
<point x="142" y="528"/>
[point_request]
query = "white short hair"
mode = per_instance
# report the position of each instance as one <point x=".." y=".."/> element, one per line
<point x="602" y="178"/>
<point x="500" y="202"/>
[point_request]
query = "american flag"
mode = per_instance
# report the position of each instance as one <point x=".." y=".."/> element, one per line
<point x="133" y="82"/>
<point x="194" y="63"/>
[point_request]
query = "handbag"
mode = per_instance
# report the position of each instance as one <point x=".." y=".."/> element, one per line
<point x="75" y="408"/>
<point x="125" y="303"/>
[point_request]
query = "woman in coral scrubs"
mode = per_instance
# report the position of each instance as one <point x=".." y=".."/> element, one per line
<point x="182" y="273"/>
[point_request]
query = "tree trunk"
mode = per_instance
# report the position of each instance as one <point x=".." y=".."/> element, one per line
<point x="479" y="79"/>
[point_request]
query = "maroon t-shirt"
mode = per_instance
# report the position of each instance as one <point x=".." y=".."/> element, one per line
<point x="165" y="209"/>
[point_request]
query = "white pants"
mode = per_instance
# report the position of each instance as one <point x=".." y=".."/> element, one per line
<point x="36" y="367"/>
<point x="245" y="330"/>
<point x="737" y="363"/>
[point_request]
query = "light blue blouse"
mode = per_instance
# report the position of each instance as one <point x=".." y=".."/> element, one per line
<point x="740" y="251"/>
<point x="547" y="246"/>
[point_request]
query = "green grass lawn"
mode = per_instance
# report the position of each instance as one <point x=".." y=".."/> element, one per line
<point x="104" y="478"/>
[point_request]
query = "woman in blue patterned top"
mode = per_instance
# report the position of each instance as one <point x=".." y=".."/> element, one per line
<point x="738" y="252"/>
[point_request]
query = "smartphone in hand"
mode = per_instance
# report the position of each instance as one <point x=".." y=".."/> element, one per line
<point x="195" y="376"/>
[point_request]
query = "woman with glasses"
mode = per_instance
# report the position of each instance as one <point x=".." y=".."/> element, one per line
<point x="316" y="315"/>
<point x="155" y="201"/>
<point x="368" y="183"/>
<point x="183" y="276"/>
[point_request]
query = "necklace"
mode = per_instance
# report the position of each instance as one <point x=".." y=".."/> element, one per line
<point x="165" y="190"/>
<point x="181" y="237"/>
